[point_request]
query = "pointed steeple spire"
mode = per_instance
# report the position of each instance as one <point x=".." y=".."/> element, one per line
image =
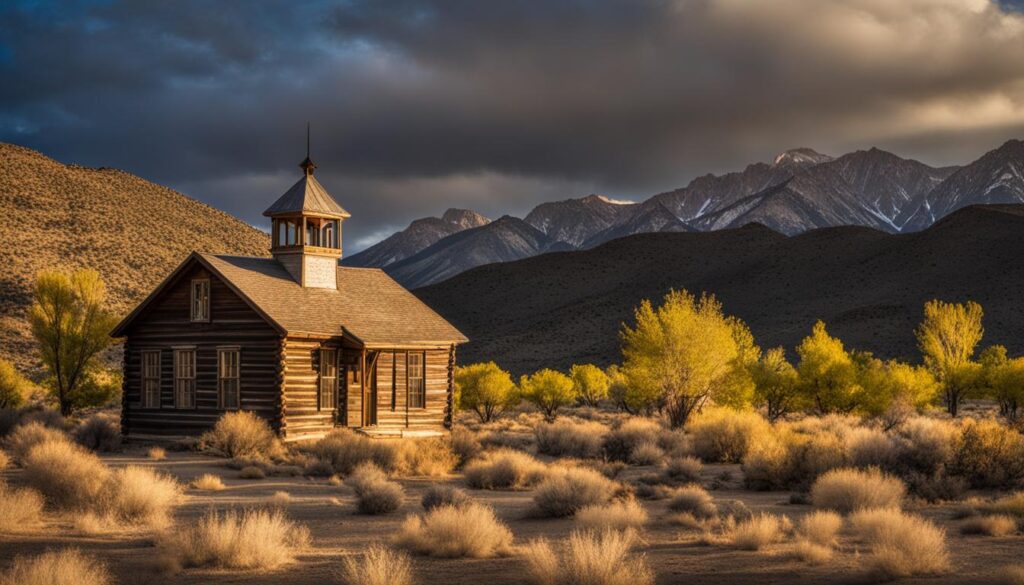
<point x="307" y="166"/>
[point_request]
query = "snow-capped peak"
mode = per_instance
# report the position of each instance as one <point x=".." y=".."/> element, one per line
<point x="801" y="156"/>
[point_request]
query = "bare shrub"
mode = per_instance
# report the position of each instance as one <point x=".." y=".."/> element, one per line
<point x="620" y="442"/>
<point x="242" y="434"/>
<point x="252" y="472"/>
<point x="620" y="515"/>
<point x="446" y="531"/>
<point x="870" y="447"/>
<point x="821" y="527"/>
<point x="100" y="432"/>
<point x="926" y="444"/>
<point x="26" y="436"/>
<point x="208" y="482"/>
<point x="901" y="545"/>
<point x="465" y="444"/>
<point x="693" y="500"/>
<point x="344" y="450"/>
<point x="64" y="567"/>
<point x="65" y="474"/>
<point x="992" y="525"/>
<point x="379" y="565"/>
<point x="253" y="539"/>
<point x="588" y="558"/>
<point x="11" y="418"/>
<point x="686" y="469"/>
<point x="140" y="495"/>
<point x="443" y="495"/>
<point x="564" y="492"/>
<point x="788" y="459"/>
<point x="567" y="438"/>
<point x="156" y="453"/>
<point x="20" y="509"/>
<point x="812" y="553"/>
<point x="374" y="492"/>
<point x="726" y="435"/>
<point x="848" y="490"/>
<point x="988" y="454"/>
<point x="646" y="454"/>
<point x="757" y="532"/>
<point x="504" y="469"/>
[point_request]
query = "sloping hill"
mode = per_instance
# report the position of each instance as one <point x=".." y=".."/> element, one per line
<point x="56" y="216"/>
<point x="869" y="286"/>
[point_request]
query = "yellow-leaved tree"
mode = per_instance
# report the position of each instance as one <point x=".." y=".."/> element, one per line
<point x="775" y="382"/>
<point x="486" y="389"/>
<point x="1003" y="380"/>
<point x="684" y="352"/>
<point x="828" y="375"/>
<point x="632" y="399"/>
<point x="548" y="389"/>
<point x="894" y="390"/>
<point x="15" y="389"/>
<point x="72" y="328"/>
<point x="948" y="337"/>
<point x="590" y="383"/>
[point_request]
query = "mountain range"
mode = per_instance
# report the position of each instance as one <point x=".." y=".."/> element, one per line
<point x="868" y="285"/>
<point x="799" y="190"/>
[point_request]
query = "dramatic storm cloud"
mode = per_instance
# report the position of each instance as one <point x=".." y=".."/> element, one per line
<point x="418" y="105"/>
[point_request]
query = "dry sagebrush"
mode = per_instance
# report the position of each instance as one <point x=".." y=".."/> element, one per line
<point x="901" y="545"/>
<point x="821" y="527"/>
<point x="620" y="443"/>
<point x="343" y="450"/>
<point x="848" y="490"/>
<point x="588" y="558"/>
<point x="208" y="482"/>
<point x="20" y="509"/>
<point x="758" y="531"/>
<point x="443" y="495"/>
<point x="252" y="539"/>
<point x="726" y="435"/>
<point x="620" y="515"/>
<point x="565" y="491"/>
<point x="446" y="531"/>
<point x="375" y="493"/>
<point x="569" y="438"/>
<point x="693" y="500"/>
<point x="504" y="469"/>
<point x="64" y="567"/>
<point x="242" y="434"/>
<point x="26" y="436"/>
<point x="379" y="565"/>
<point x="68" y="476"/>
<point x="99" y="432"/>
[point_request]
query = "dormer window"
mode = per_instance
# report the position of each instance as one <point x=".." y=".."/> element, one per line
<point x="200" y="300"/>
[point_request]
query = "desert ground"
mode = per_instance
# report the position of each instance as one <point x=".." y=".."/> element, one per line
<point x="675" y="553"/>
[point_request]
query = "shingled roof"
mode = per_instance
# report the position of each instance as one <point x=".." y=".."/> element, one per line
<point x="308" y="196"/>
<point x="368" y="305"/>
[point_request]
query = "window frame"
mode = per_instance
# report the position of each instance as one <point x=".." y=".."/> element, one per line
<point x="180" y="381"/>
<point x="203" y="285"/>
<point x="420" y="394"/>
<point x="147" y="375"/>
<point x="327" y="400"/>
<point x="224" y="377"/>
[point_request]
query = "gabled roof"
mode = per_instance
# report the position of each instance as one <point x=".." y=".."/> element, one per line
<point x="368" y="306"/>
<point x="307" y="195"/>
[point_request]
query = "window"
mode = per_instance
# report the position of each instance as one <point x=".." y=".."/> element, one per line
<point x="227" y="378"/>
<point x="185" y="378"/>
<point x="416" y="387"/>
<point x="328" y="235"/>
<point x="201" y="300"/>
<point x="328" y="378"/>
<point x="151" y="379"/>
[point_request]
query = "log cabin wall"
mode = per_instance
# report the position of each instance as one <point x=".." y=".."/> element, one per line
<point x="303" y="416"/>
<point x="167" y="324"/>
<point x="393" y="410"/>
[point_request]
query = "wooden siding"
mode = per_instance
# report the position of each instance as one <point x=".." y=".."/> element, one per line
<point x="392" y="381"/>
<point x="302" y="413"/>
<point x="166" y="324"/>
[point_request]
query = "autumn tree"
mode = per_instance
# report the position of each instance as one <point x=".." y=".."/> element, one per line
<point x="683" y="352"/>
<point x="1003" y="380"/>
<point x="72" y="328"/>
<point x="827" y="373"/>
<point x="590" y="383"/>
<point x="629" y="398"/>
<point x="894" y="390"/>
<point x="775" y="384"/>
<point x="485" y="389"/>
<point x="548" y="390"/>
<point x="947" y="338"/>
<point x="15" y="389"/>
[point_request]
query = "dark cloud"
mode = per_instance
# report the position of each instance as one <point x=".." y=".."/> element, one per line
<point x="422" y="104"/>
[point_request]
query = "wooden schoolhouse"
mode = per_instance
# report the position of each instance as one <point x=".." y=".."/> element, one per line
<point x="305" y="343"/>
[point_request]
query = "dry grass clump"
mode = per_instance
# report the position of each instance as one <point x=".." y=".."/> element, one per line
<point x="64" y="567"/>
<point x="465" y="445"/>
<point x="991" y="525"/>
<point x="791" y="458"/>
<point x="253" y="539"/>
<point x="620" y="443"/>
<point x="685" y="469"/>
<point x="695" y="500"/>
<point x="20" y="509"/>
<point x="252" y="472"/>
<point x="1010" y="575"/>
<point x="426" y="457"/>
<point x="26" y="436"/>
<point x="757" y="532"/>
<point x="620" y="515"/>
<point x="443" y="495"/>
<point x="99" y="432"/>
<point x="811" y="553"/>
<point x="504" y="469"/>
<point x="568" y="438"/>
<point x="446" y="531"/>
<point x="847" y="490"/>
<point x="140" y="495"/>
<point x="988" y="454"/>
<point x="208" y="482"/>
<point x="157" y="453"/>
<point x="379" y="565"/>
<point x="901" y="545"/>
<point x="280" y="499"/>
<point x="67" y="475"/>
<point x="564" y="492"/>
<point x="726" y="435"/>
<point x="588" y="558"/>
<point x="648" y="453"/>
<point x="374" y="492"/>
<point x="821" y="527"/>
<point x="1012" y="505"/>
<point x="344" y="450"/>
<point x="926" y="444"/>
<point x="870" y="447"/>
<point x="242" y="434"/>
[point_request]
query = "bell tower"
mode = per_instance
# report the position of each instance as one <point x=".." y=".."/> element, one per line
<point x="306" y="230"/>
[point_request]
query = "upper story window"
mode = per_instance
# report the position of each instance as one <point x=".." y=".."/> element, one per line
<point x="416" y="383"/>
<point x="201" y="300"/>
